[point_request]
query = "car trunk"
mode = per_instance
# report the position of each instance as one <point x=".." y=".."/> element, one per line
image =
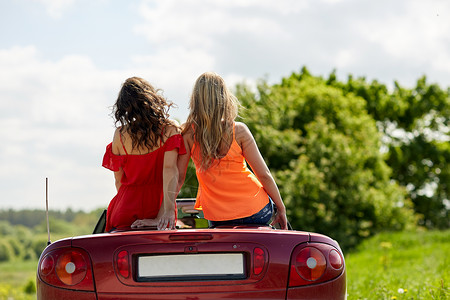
<point x="245" y="263"/>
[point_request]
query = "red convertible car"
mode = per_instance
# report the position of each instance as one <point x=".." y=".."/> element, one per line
<point x="193" y="262"/>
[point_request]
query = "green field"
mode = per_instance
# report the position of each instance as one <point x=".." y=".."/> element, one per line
<point x="401" y="266"/>
<point x="17" y="280"/>
<point x="404" y="265"/>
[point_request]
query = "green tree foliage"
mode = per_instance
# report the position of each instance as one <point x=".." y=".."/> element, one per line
<point x="18" y="241"/>
<point x="6" y="251"/>
<point x="323" y="148"/>
<point x="16" y="246"/>
<point x="33" y="217"/>
<point x="190" y="186"/>
<point x="6" y="228"/>
<point x="38" y="244"/>
<point x="415" y="124"/>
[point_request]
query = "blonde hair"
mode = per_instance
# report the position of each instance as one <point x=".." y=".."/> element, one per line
<point x="213" y="109"/>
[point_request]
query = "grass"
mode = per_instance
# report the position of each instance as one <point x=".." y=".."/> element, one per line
<point x="389" y="266"/>
<point x="403" y="265"/>
<point x="18" y="280"/>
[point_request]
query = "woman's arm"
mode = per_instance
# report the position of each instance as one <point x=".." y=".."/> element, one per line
<point x="117" y="150"/>
<point x="254" y="158"/>
<point x="183" y="160"/>
<point x="166" y="216"/>
<point x="118" y="177"/>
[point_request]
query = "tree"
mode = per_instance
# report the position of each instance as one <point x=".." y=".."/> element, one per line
<point x="6" y="251"/>
<point x="323" y="148"/>
<point x="415" y="125"/>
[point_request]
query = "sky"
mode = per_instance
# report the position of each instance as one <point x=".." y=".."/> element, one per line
<point x="62" y="63"/>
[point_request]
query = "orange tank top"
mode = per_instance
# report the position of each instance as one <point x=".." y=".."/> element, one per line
<point x="228" y="189"/>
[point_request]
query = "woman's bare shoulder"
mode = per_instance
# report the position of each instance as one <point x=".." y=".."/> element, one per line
<point x="188" y="132"/>
<point x="240" y="126"/>
<point x="173" y="123"/>
<point x="172" y="128"/>
<point x="187" y="129"/>
<point x="241" y="131"/>
<point x="117" y="143"/>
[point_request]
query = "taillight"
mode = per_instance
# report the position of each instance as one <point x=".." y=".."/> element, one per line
<point x="314" y="263"/>
<point x="310" y="263"/>
<point x="259" y="260"/>
<point x="71" y="267"/>
<point x="335" y="259"/>
<point x="68" y="268"/>
<point x="123" y="264"/>
<point x="47" y="265"/>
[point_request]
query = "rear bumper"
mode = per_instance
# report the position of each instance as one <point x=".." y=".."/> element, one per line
<point x="262" y="295"/>
<point x="48" y="292"/>
<point x="335" y="289"/>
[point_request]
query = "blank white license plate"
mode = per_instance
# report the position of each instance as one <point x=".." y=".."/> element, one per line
<point x="193" y="266"/>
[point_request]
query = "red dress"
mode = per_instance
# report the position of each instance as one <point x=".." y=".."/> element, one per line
<point x="141" y="193"/>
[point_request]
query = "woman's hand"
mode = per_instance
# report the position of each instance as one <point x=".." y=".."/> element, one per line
<point x="280" y="217"/>
<point x="144" y="223"/>
<point x="163" y="222"/>
<point x="166" y="220"/>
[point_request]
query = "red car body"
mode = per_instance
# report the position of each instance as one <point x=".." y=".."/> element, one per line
<point x="241" y="262"/>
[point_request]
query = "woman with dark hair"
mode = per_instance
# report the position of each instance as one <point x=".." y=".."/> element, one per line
<point x="229" y="193"/>
<point x="143" y="156"/>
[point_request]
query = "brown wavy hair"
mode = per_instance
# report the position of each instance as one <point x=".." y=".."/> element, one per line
<point x="141" y="111"/>
<point x="213" y="109"/>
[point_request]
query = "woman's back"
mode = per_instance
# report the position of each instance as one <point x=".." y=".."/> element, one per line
<point x="143" y="165"/>
<point x="226" y="184"/>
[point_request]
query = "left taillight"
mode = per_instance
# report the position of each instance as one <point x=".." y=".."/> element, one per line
<point x="314" y="263"/>
<point x="68" y="268"/>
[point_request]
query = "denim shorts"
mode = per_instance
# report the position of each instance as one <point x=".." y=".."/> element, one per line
<point x="262" y="217"/>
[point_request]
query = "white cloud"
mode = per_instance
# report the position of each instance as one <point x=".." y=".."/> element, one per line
<point x="56" y="8"/>
<point x="418" y="33"/>
<point x="200" y="23"/>
<point x="55" y="116"/>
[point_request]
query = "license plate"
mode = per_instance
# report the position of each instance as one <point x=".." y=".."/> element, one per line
<point x="206" y="266"/>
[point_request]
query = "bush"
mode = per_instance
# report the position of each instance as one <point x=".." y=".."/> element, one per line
<point x="6" y="251"/>
<point x="6" y="228"/>
<point x="17" y="247"/>
<point x="30" y="287"/>
<point x="38" y="245"/>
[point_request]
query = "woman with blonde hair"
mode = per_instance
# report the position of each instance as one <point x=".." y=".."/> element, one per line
<point x="143" y="156"/>
<point x="228" y="193"/>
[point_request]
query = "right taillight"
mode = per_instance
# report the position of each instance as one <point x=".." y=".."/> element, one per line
<point x="310" y="263"/>
<point x="335" y="259"/>
<point x="314" y="263"/>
